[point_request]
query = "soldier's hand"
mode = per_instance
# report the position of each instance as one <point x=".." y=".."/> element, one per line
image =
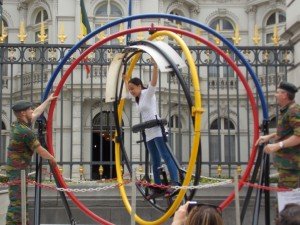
<point x="51" y="97"/>
<point x="270" y="148"/>
<point x="53" y="162"/>
<point x="261" y="140"/>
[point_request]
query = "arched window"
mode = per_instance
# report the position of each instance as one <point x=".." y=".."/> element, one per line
<point x="226" y="28"/>
<point x="177" y="13"/>
<point x="41" y="16"/>
<point x="223" y="23"/>
<point x="105" y="13"/>
<point x="4" y="33"/>
<point x="3" y="143"/>
<point x="278" y="19"/>
<point x="222" y="141"/>
<point x="104" y="121"/>
<point x="175" y="122"/>
<point x="102" y="149"/>
<point x="109" y="10"/>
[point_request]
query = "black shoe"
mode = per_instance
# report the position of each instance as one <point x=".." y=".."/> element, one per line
<point x="155" y="193"/>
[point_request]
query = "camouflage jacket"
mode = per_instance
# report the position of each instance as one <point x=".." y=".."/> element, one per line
<point x="288" y="125"/>
<point x="23" y="142"/>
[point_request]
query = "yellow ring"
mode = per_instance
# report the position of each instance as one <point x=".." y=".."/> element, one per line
<point x="196" y="139"/>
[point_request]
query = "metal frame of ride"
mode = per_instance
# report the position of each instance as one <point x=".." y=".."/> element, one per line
<point x="197" y="109"/>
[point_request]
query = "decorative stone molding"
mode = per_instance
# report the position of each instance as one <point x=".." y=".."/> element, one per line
<point x="3" y="113"/>
<point x="22" y="6"/>
<point x="277" y="4"/>
<point x="223" y="13"/>
<point x="8" y="18"/>
<point x="195" y="10"/>
<point x="223" y="112"/>
<point x="174" y="5"/>
<point x="251" y="9"/>
<point x="40" y="3"/>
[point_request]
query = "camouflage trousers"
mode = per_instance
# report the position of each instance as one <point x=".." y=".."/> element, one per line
<point x="289" y="178"/>
<point x="14" y="211"/>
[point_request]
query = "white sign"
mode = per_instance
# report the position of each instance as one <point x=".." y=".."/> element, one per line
<point x="287" y="197"/>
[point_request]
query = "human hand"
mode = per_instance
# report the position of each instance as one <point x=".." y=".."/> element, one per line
<point x="53" y="162"/>
<point x="51" y="97"/>
<point x="180" y="215"/>
<point x="261" y="140"/>
<point x="270" y="148"/>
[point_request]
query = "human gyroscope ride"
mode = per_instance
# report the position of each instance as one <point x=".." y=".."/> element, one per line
<point x="166" y="58"/>
<point x="169" y="64"/>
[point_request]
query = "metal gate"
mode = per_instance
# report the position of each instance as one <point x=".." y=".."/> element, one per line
<point x="84" y="126"/>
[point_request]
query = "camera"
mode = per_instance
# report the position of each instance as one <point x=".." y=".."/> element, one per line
<point x="191" y="205"/>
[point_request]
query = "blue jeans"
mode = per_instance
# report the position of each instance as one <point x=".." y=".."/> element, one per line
<point x="158" y="149"/>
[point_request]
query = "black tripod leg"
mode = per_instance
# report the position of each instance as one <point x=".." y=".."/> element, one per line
<point x="37" y="195"/>
<point x="65" y="202"/>
<point x="38" y="179"/>
<point x="267" y="192"/>
<point x="252" y="180"/>
<point x="259" y="192"/>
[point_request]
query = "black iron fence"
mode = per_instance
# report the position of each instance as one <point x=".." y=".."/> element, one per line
<point x="83" y="127"/>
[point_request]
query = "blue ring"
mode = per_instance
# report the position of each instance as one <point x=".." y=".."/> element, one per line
<point x="167" y="16"/>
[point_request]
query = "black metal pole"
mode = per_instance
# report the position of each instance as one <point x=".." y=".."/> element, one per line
<point x="252" y="180"/>
<point x="267" y="192"/>
<point x="259" y="193"/>
<point x="267" y="181"/>
<point x="38" y="179"/>
<point x="264" y="180"/>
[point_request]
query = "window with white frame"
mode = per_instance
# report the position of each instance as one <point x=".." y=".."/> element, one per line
<point x="222" y="141"/>
<point x="175" y="138"/>
<point x="176" y="12"/>
<point x="277" y="18"/>
<point x="226" y="28"/>
<point x="41" y="17"/>
<point x="106" y="12"/>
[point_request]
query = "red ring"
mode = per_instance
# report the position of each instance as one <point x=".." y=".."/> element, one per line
<point x="246" y="174"/>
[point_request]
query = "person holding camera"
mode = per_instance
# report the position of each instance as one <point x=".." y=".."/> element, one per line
<point x="193" y="213"/>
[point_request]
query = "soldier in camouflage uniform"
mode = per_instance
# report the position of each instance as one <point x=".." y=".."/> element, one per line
<point x="23" y="143"/>
<point x="286" y="148"/>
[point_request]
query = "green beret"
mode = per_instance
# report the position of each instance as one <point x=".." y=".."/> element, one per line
<point x="289" y="87"/>
<point x="21" y="105"/>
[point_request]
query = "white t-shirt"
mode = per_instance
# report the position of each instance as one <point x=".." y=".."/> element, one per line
<point x="147" y="108"/>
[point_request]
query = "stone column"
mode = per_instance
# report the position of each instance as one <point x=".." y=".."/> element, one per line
<point x="77" y="20"/>
<point x="251" y="11"/>
<point x="52" y="36"/>
<point x="76" y="134"/>
<point x="194" y="13"/>
<point x="292" y="35"/>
